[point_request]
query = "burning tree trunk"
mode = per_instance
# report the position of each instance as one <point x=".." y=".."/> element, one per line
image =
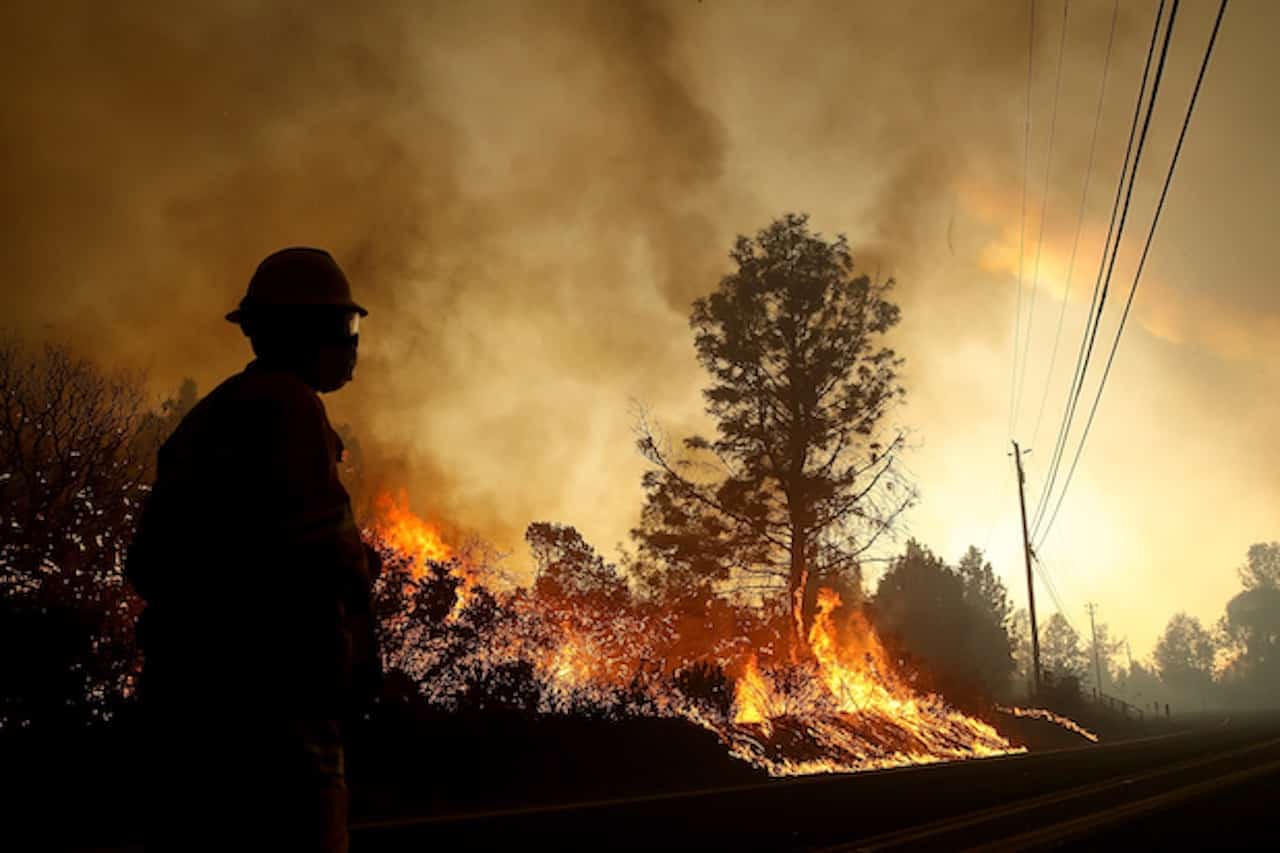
<point x="798" y="596"/>
<point x="797" y="503"/>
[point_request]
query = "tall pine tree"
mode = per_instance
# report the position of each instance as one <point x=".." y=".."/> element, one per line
<point x="800" y="479"/>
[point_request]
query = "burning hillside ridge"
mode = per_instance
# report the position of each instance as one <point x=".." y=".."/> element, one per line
<point x="578" y="643"/>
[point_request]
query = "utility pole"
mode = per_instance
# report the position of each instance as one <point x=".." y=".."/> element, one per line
<point x="1031" y="589"/>
<point x="1097" y="665"/>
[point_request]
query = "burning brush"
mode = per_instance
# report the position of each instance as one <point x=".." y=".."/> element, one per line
<point x="557" y="648"/>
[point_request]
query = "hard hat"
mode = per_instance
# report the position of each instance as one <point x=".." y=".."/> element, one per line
<point x="297" y="276"/>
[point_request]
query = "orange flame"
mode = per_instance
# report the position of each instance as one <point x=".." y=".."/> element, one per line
<point x="421" y="542"/>
<point x="404" y="531"/>
<point x="857" y="673"/>
<point x="852" y="706"/>
<point x="751" y="697"/>
<point x="1050" y="717"/>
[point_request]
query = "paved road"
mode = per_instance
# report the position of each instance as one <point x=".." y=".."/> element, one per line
<point x="1214" y="786"/>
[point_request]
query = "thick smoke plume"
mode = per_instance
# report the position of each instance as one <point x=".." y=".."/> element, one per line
<point x="528" y="196"/>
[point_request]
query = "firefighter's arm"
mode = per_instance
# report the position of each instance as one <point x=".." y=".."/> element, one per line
<point x="307" y="504"/>
<point x="320" y="530"/>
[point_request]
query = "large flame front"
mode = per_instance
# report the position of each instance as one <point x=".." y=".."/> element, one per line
<point x="848" y="710"/>
<point x="841" y="707"/>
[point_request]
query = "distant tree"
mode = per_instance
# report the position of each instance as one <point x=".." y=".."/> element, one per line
<point x="1061" y="652"/>
<point x="1140" y="685"/>
<point x="1250" y="637"/>
<point x="919" y="610"/>
<point x="987" y="599"/>
<point x="1262" y="567"/>
<point x="1020" y="645"/>
<point x="1184" y="657"/>
<point x="800" y="480"/>
<point x="1248" y="633"/>
<point x="568" y="567"/>
<point x="949" y="622"/>
<point x="983" y="590"/>
<point x="175" y="408"/>
<point x="1107" y="651"/>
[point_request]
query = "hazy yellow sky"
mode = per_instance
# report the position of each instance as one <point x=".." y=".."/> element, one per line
<point x="528" y="196"/>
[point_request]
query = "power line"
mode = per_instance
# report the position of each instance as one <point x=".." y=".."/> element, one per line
<point x="1026" y="158"/>
<point x="1084" y="198"/>
<point x="1101" y="284"/>
<point x="1044" y="209"/>
<point x="1053" y="593"/>
<point x="1042" y="571"/>
<point x="991" y="529"/>
<point x="1048" y="585"/>
<point x="1095" y="303"/>
<point x="1046" y="575"/>
<point x="1142" y="261"/>
<point x="1050" y="573"/>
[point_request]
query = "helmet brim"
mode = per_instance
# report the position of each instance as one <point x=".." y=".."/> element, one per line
<point x="237" y="316"/>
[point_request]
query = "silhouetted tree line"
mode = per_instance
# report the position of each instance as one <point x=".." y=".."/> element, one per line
<point x="948" y="623"/>
<point x="1233" y="663"/>
<point x="77" y="449"/>
<point x="1192" y="667"/>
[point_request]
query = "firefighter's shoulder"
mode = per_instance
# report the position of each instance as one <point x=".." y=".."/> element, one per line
<point x="280" y="390"/>
<point x="261" y="404"/>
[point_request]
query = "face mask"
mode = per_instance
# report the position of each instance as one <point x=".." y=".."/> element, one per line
<point x="333" y="365"/>
<point x="319" y="344"/>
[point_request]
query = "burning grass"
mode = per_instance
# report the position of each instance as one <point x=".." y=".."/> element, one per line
<point x="1050" y="717"/>
<point x="841" y="705"/>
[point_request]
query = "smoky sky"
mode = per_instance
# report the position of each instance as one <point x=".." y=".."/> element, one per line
<point x="528" y="196"/>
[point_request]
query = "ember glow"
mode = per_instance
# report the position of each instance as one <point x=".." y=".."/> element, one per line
<point x="842" y="706"/>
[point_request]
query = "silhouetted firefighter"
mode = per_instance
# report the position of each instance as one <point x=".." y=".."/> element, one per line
<point x="257" y="633"/>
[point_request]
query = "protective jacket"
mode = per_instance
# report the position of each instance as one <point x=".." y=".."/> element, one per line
<point x="249" y="559"/>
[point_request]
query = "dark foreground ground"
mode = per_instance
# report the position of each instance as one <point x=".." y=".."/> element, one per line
<point x="498" y="782"/>
<point x="1209" y="783"/>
